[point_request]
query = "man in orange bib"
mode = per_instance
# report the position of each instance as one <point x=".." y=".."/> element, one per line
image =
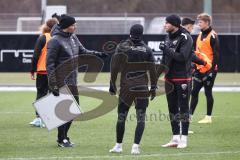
<point x="207" y="48"/>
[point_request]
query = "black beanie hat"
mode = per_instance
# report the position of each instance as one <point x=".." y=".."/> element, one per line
<point x="66" y="21"/>
<point x="136" y="32"/>
<point x="174" y="20"/>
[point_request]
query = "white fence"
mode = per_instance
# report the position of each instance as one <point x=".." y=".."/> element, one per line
<point x="113" y="23"/>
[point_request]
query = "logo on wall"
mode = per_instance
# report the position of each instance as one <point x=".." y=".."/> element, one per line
<point x="154" y="45"/>
<point x="25" y="54"/>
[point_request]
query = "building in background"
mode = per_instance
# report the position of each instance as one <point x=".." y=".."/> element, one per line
<point x="115" y="17"/>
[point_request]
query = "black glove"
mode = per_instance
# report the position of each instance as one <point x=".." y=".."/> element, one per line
<point x="55" y="91"/>
<point x="153" y="93"/>
<point x="162" y="46"/>
<point x="100" y="54"/>
<point x="112" y="89"/>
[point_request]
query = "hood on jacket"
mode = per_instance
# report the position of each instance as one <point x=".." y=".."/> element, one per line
<point x="56" y="30"/>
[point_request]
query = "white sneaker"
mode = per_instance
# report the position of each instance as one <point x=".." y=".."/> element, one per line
<point x="183" y="142"/>
<point x="173" y="143"/>
<point x="42" y="125"/>
<point x="190" y="132"/>
<point x="135" y="149"/>
<point x="36" y="122"/>
<point x="116" y="149"/>
<point x="190" y="118"/>
<point x="206" y="120"/>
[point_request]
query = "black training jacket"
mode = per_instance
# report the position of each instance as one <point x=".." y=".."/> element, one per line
<point x="137" y="52"/>
<point x="177" y="55"/>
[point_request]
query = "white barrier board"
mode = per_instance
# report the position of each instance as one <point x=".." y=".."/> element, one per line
<point x="57" y="110"/>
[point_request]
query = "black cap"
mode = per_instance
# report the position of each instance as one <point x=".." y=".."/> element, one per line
<point x="136" y="32"/>
<point x="174" y="20"/>
<point x="186" y="21"/>
<point x="66" y="21"/>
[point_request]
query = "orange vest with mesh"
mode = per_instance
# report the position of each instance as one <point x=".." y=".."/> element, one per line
<point x="204" y="47"/>
<point x="41" y="64"/>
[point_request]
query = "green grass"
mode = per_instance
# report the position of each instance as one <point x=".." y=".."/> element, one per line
<point x="93" y="139"/>
<point x="103" y="78"/>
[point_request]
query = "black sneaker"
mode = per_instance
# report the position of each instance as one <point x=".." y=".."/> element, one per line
<point x="70" y="141"/>
<point x="65" y="143"/>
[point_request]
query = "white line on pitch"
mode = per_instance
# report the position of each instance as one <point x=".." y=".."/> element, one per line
<point x="126" y="156"/>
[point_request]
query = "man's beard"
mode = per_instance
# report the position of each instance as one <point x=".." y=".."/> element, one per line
<point x="170" y="30"/>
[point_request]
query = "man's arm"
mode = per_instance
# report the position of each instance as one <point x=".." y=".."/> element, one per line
<point x="214" y="42"/>
<point x="153" y="74"/>
<point x="152" y="69"/>
<point x="116" y="62"/>
<point x="40" y="43"/>
<point x="163" y="44"/>
<point x="83" y="50"/>
<point x="197" y="60"/>
<point x="53" y="48"/>
<point x="185" y="49"/>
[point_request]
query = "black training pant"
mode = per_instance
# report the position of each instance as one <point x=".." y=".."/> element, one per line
<point x="198" y="83"/>
<point x="178" y="94"/>
<point x="42" y="86"/>
<point x="63" y="129"/>
<point x="123" y="109"/>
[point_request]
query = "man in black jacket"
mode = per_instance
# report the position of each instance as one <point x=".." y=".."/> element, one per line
<point x="64" y="46"/>
<point x="133" y="59"/>
<point x="188" y="24"/>
<point x="177" y="56"/>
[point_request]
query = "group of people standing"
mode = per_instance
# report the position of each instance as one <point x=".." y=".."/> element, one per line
<point x="189" y="69"/>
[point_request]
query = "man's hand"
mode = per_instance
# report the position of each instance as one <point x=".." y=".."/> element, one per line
<point x="216" y="68"/>
<point x="32" y="75"/>
<point x="55" y="91"/>
<point x="152" y="93"/>
<point x="162" y="46"/>
<point x="112" y="89"/>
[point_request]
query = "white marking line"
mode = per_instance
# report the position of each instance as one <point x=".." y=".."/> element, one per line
<point x="16" y="89"/>
<point x="33" y="89"/>
<point x="16" y="112"/>
<point x="127" y="156"/>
